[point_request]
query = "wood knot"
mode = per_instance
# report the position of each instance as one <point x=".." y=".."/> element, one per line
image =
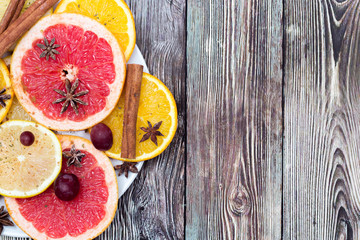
<point x="239" y="201"/>
<point x="344" y="229"/>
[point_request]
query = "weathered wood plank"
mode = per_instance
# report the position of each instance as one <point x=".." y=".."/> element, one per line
<point x="321" y="121"/>
<point x="153" y="207"/>
<point x="234" y="119"/>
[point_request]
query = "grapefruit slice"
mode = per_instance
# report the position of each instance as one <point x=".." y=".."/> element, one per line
<point x="47" y="217"/>
<point x="88" y="54"/>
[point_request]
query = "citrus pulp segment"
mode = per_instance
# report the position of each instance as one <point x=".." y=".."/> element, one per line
<point x="114" y="14"/>
<point x="47" y="217"/>
<point x="26" y="171"/>
<point x="88" y="53"/>
<point x="17" y="112"/>
<point x="5" y="83"/>
<point x="156" y="105"/>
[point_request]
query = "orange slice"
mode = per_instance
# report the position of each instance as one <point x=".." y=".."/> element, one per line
<point x="156" y="105"/>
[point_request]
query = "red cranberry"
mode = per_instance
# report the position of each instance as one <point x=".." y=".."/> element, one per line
<point x="66" y="186"/>
<point x="27" y="138"/>
<point x="101" y="137"/>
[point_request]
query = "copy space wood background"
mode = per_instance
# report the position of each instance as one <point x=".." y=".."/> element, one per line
<point x="269" y="113"/>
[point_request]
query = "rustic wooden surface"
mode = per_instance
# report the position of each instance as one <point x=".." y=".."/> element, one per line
<point x="321" y="120"/>
<point x="154" y="206"/>
<point x="268" y="143"/>
<point x="234" y="119"/>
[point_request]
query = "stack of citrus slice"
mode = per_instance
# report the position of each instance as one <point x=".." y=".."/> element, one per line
<point x="85" y="217"/>
<point x="68" y="73"/>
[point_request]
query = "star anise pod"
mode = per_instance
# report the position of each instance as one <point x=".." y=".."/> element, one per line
<point x="49" y="49"/>
<point x="4" y="97"/>
<point x="151" y="132"/>
<point x="4" y="221"/>
<point x="70" y="97"/>
<point x="126" y="167"/>
<point x="73" y="156"/>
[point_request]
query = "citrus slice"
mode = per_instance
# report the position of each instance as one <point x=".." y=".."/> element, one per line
<point x="5" y="84"/>
<point x="86" y="216"/>
<point x="114" y="14"/>
<point x="156" y="105"/>
<point x="17" y="112"/>
<point x="26" y="171"/>
<point x="88" y="54"/>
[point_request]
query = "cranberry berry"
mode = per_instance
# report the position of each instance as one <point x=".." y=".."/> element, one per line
<point x="66" y="186"/>
<point x="27" y="138"/>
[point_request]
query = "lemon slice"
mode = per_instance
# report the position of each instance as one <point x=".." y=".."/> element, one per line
<point x="17" y="112"/>
<point x="156" y="105"/>
<point x="26" y="171"/>
<point x="114" y="14"/>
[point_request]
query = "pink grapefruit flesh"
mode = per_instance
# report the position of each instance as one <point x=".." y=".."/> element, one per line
<point x="47" y="217"/>
<point x="88" y="51"/>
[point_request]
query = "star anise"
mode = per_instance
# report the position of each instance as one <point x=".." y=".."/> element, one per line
<point x="126" y="167"/>
<point x="49" y="49"/>
<point x="70" y="97"/>
<point x="4" y="221"/>
<point x="73" y="156"/>
<point x="151" y="132"/>
<point x="4" y="97"/>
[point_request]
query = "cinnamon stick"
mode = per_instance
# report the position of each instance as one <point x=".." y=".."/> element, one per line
<point x="23" y="23"/>
<point x="132" y="97"/>
<point x="8" y="15"/>
<point x="18" y="10"/>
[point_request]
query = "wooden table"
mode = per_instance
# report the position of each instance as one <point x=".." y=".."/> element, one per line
<point x="268" y="143"/>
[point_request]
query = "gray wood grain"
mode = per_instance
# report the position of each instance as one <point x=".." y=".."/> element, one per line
<point x="322" y="115"/>
<point x="234" y="119"/>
